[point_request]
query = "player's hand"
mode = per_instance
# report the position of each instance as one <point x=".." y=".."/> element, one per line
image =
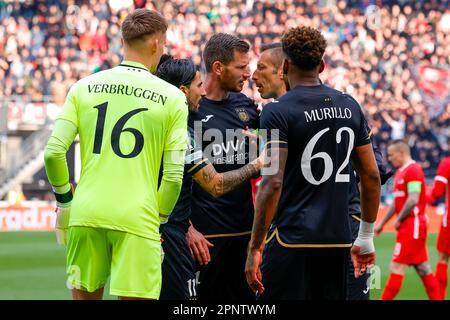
<point x="253" y="270"/>
<point x="253" y="138"/>
<point x="64" y="196"/>
<point x="62" y="222"/>
<point x="378" y="230"/>
<point x="397" y="224"/>
<point x="363" y="250"/>
<point x="362" y="261"/>
<point x="251" y="134"/>
<point x="199" y="246"/>
<point x="259" y="163"/>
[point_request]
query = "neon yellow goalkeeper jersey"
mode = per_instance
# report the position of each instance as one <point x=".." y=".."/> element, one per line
<point x="126" y="118"/>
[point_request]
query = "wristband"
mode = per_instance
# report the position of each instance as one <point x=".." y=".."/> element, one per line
<point x="63" y="194"/>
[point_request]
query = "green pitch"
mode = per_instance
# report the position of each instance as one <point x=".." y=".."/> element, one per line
<point x="32" y="267"/>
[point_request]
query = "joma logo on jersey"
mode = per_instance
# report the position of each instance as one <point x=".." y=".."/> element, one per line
<point x="243" y="115"/>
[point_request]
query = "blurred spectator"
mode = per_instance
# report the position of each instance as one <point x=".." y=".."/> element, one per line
<point x="397" y="123"/>
<point x="394" y="59"/>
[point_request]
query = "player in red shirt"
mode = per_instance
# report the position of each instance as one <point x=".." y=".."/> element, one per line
<point x="441" y="188"/>
<point x="411" y="223"/>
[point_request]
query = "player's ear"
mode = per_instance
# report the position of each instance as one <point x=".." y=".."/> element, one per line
<point x="321" y="66"/>
<point x="152" y="43"/>
<point x="185" y="90"/>
<point x="217" y="67"/>
<point x="285" y="67"/>
<point x="280" y="73"/>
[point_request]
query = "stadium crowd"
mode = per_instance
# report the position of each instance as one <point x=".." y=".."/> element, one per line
<point x="394" y="58"/>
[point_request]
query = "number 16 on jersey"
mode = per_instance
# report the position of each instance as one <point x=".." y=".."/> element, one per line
<point x="117" y="131"/>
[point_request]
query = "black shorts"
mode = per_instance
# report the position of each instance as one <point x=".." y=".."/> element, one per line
<point x="178" y="267"/>
<point x="304" y="273"/>
<point x="358" y="288"/>
<point x="224" y="277"/>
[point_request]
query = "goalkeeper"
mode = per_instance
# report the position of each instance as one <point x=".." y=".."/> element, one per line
<point x="127" y="121"/>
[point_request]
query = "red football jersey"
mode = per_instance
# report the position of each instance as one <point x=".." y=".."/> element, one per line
<point x="441" y="187"/>
<point x="415" y="223"/>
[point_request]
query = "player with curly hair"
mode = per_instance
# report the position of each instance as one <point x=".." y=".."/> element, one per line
<point x="314" y="132"/>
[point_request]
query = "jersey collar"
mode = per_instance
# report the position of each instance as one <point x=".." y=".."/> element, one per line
<point x="407" y="164"/>
<point x="133" y="64"/>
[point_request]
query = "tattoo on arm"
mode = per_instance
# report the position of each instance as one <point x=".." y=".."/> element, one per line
<point x="232" y="179"/>
<point x="208" y="173"/>
<point x="218" y="184"/>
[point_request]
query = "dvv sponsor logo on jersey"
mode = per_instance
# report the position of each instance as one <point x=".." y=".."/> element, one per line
<point x="227" y="146"/>
<point x="235" y="147"/>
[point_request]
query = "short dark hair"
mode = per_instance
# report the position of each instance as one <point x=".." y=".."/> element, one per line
<point x="179" y="72"/>
<point x="163" y="59"/>
<point x="276" y="52"/>
<point x="142" y="23"/>
<point x="221" y="47"/>
<point x="272" y="45"/>
<point x="304" y="46"/>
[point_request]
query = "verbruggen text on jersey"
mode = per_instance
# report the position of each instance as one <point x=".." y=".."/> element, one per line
<point x="127" y="90"/>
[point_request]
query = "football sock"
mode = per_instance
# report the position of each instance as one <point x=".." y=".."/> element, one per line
<point x="432" y="287"/>
<point x="441" y="276"/>
<point x="392" y="287"/>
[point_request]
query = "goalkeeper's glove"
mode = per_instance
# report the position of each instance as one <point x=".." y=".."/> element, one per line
<point x="63" y="205"/>
<point x="62" y="222"/>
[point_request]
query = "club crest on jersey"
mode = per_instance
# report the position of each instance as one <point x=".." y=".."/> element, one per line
<point x="243" y="115"/>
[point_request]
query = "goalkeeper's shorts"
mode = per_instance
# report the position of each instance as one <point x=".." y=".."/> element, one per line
<point x="133" y="262"/>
